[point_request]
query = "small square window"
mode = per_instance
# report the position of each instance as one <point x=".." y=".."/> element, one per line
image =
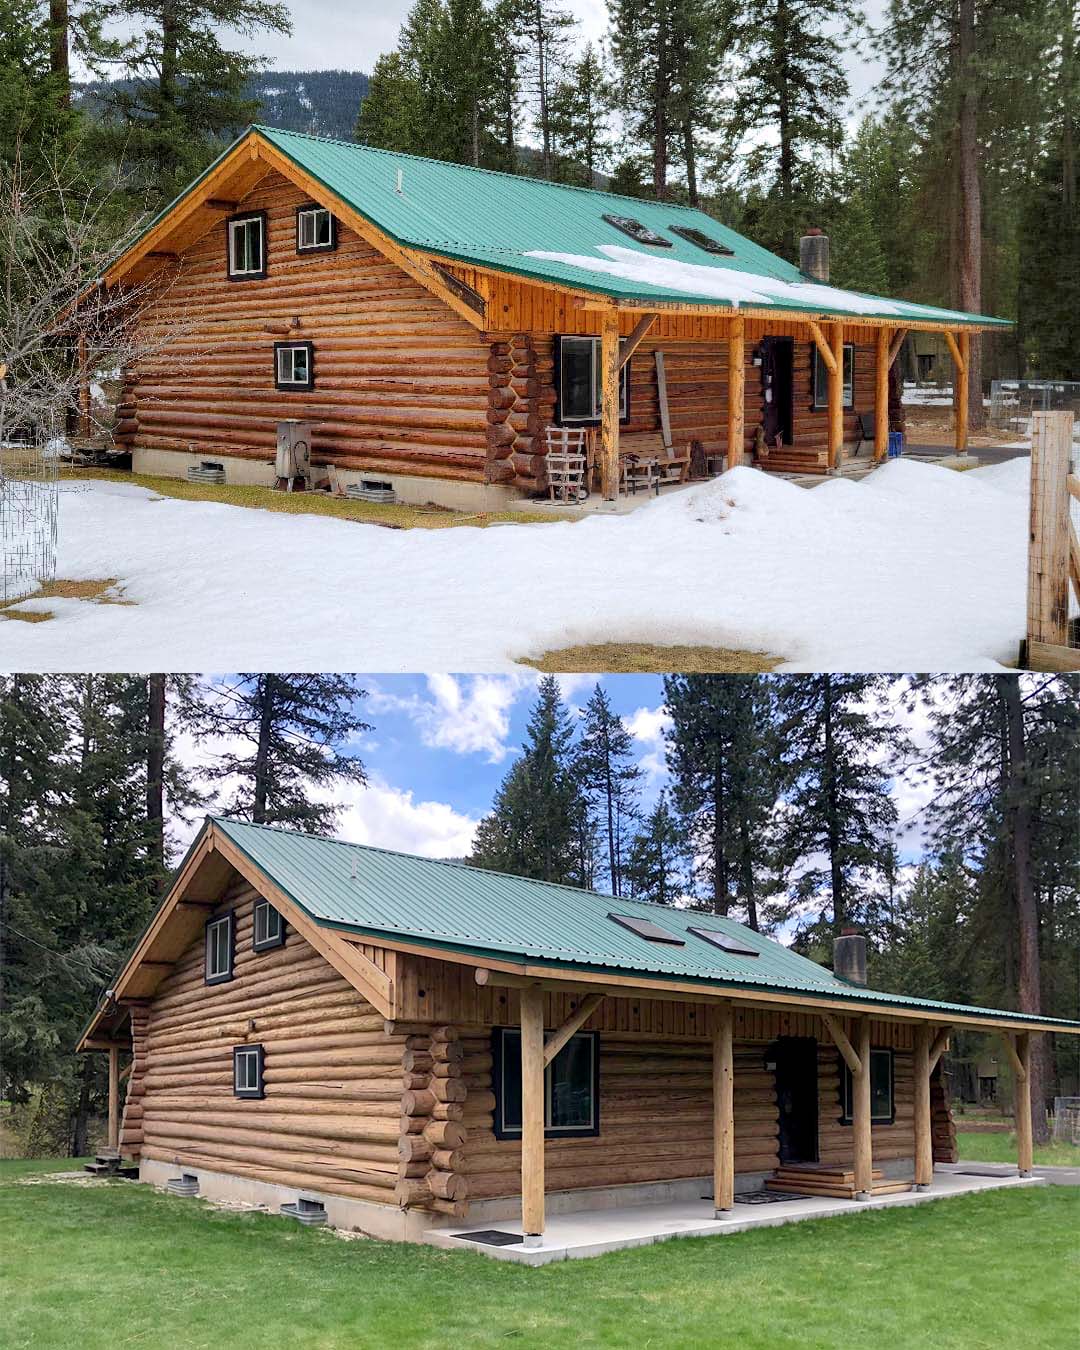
<point x="269" y="927"/>
<point x="248" y="1071"/>
<point x="219" y="949"/>
<point x="571" y="1086"/>
<point x="247" y="246"/>
<point x="882" y="1106"/>
<point x="821" y="378"/>
<point x="316" y="230"/>
<point x="294" y="365"/>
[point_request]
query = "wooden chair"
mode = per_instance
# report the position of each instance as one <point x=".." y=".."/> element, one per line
<point x="649" y="447"/>
<point x="567" y="464"/>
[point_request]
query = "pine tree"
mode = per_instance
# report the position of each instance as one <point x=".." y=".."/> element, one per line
<point x="610" y="777"/>
<point x="295" y="733"/>
<point x="654" y="864"/>
<point x="836" y="833"/>
<point x="577" y="114"/>
<point x="546" y="33"/>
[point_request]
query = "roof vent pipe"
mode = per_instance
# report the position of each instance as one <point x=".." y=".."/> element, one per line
<point x="814" y="255"/>
<point x="849" y="957"/>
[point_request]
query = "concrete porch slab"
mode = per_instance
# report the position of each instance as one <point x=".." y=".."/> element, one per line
<point x="594" y="1232"/>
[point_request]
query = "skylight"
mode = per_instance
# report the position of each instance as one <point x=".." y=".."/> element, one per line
<point x="645" y="928"/>
<point x="724" y="941"/>
<point x="636" y="230"/>
<point x="702" y="240"/>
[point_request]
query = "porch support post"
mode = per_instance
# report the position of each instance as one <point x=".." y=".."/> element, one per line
<point x="723" y="1108"/>
<point x="836" y="397"/>
<point x="114" y="1096"/>
<point x="609" y="404"/>
<point x="960" y="347"/>
<point x="924" y="1146"/>
<point x="85" y="425"/>
<point x="736" y="431"/>
<point x="532" y="1116"/>
<point x="1022" y="1096"/>
<point x="881" y="396"/>
<point x="860" y="1114"/>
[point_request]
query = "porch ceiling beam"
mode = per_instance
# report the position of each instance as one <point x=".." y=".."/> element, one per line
<point x="937" y="1049"/>
<point x="954" y="348"/>
<point x="895" y="345"/>
<point x="1017" y="1063"/>
<point x="836" y="1031"/>
<point x="821" y="343"/>
<point x="630" y="345"/>
<point x="577" y="1019"/>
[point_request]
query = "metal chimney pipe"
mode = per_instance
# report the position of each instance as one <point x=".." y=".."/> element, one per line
<point x="814" y="255"/>
<point x="849" y="957"/>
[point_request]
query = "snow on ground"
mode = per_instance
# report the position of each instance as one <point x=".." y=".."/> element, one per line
<point x="914" y="568"/>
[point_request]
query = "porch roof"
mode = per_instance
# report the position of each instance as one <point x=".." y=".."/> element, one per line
<point x="556" y="234"/>
<point x="457" y="908"/>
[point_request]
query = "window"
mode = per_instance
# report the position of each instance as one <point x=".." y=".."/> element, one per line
<point x="882" y="1111"/>
<point x="316" y="229"/>
<point x="248" y="1071"/>
<point x="219" y="949"/>
<point x="636" y="230"/>
<point x="725" y="941"/>
<point x="821" y="378"/>
<point x="247" y="246"/>
<point x="577" y="361"/>
<point x="571" y="1087"/>
<point x="645" y="928"/>
<point x="294" y="365"/>
<point x="269" y="927"/>
<point x="702" y="240"/>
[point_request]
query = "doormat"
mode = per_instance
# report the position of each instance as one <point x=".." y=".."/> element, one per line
<point x="768" y="1197"/>
<point x="492" y="1237"/>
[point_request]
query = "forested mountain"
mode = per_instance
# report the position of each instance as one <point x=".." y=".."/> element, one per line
<point x="320" y="102"/>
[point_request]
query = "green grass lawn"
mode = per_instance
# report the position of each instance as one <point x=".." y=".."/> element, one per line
<point x="121" y="1265"/>
<point x="999" y="1146"/>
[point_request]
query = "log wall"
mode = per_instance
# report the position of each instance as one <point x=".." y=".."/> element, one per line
<point x="333" y="1077"/>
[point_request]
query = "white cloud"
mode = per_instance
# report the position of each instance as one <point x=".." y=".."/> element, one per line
<point x="468" y="714"/>
<point x="647" y="726"/>
<point x="390" y="817"/>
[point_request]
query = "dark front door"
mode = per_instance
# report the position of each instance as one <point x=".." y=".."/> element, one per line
<point x="797" y="1097"/>
<point x="778" y="389"/>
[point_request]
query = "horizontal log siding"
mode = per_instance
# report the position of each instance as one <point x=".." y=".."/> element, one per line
<point x="401" y="382"/>
<point x="836" y="1141"/>
<point x="333" y="1077"/>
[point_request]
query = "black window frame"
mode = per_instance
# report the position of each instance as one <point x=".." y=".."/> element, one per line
<point x="502" y="1131"/>
<point x="846" y="1088"/>
<point x="692" y="235"/>
<point x="295" y="386"/>
<point x="258" y="1092"/>
<point x="260" y="216"/>
<point x="636" y="230"/>
<point x="221" y="977"/>
<point x="819" y="378"/>
<point x="647" y="930"/>
<point x="267" y="944"/>
<point x="564" y="420"/>
<point x="316" y="248"/>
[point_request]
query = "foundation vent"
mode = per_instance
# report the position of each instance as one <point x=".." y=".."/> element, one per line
<point x="208" y="471"/>
<point x="371" y="490"/>
<point x="186" y="1185"/>
<point x="309" y="1212"/>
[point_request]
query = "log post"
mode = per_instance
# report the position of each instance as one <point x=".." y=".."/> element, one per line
<point x="736" y="430"/>
<point x="114" y="1097"/>
<point x="1048" y="550"/>
<point x="532" y="1116"/>
<point x="924" y="1145"/>
<point x="609" y="404"/>
<point x="1022" y="1108"/>
<point x="860" y="1115"/>
<point x="836" y="398"/>
<point x="881" y="396"/>
<point x="960" y="347"/>
<point x="85" y="425"/>
<point x="723" y="1075"/>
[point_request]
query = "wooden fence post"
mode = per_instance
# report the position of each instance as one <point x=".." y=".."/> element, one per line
<point x="1050" y="535"/>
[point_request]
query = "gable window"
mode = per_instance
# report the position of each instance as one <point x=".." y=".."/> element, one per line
<point x="294" y="365"/>
<point x="821" y="378"/>
<point x="571" y="1086"/>
<point x="269" y="927"/>
<point x="248" y="1071"/>
<point x="316" y="229"/>
<point x="219" y="949"/>
<point x="577" y="362"/>
<point x="882" y="1105"/>
<point x="247" y="246"/>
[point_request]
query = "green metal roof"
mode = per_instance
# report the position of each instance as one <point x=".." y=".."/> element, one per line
<point x="380" y="894"/>
<point x="499" y="220"/>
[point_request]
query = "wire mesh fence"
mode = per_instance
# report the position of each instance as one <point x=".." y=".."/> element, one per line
<point x="1012" y="403"/>
<point x="28" y="511"/>
<point x="1067" y="1120"/>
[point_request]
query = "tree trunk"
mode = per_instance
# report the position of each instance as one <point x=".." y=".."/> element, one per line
<point x="833" y="814"/>
<point x="661" y="94"/>
<point x="59" y="21"/>
<point x="155" y="774"/>
<point x="749" y="894"/>
<point x="969" y="257"/>
<point x="80" y="1135"/>
<point x="1019" y="826"/>
<point x="783" y="118"/>
<point x="268" y="685"/>
<point x="721" y="891"/>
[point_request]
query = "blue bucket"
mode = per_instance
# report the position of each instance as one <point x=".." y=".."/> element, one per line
<point x="896" y="444"/>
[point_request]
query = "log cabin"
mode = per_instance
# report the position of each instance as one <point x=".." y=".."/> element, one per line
<point x="400" y="1045"/>
<point x="429" y="326"/>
